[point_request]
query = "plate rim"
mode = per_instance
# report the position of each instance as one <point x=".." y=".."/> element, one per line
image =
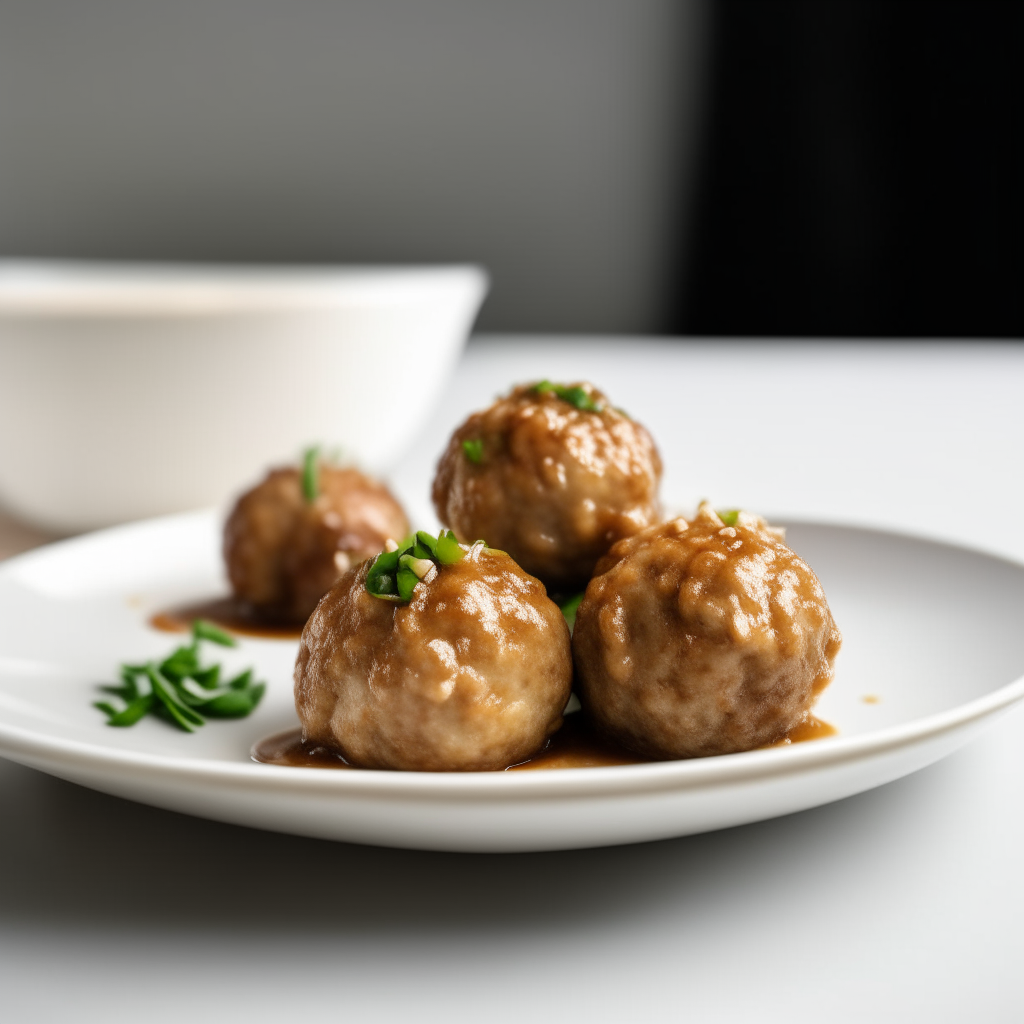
<point x="17" y="742"/>
<point x="694" y="773"/>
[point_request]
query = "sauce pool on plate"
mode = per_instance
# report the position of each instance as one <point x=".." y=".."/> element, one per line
<point x="227" y="613"/>
<point x="575" y="745"/>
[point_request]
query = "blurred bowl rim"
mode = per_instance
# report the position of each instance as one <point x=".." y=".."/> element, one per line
<point x="58" y="288"/>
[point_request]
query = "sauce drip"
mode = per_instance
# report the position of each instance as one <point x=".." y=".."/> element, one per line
<point x="227" y="613"/>
<point x="810" y="728"/>
<point x="575" y="745"/>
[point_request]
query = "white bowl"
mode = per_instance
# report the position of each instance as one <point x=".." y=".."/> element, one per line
<point x="131" y="391"/>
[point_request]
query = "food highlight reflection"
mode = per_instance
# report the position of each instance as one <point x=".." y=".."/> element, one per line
<point x="556" y="571"/>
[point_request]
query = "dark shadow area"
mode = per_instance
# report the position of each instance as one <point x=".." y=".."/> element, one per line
<point x="862" y="172"/>
<point x="75" y="858"/>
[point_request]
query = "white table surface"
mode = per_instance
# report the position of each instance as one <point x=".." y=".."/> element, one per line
<point x="903" y="904"/>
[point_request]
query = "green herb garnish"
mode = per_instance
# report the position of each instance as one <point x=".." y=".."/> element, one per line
<point x="569" y="609"/>
<point x="730" y="517"/>
<point x="311" y="474"/>
<point x="576" y="396"/>
<point x="394" y="574"/>
<point x="474" y="451"/>
<point x="180" y="689"/>
<point x="203" y="630"/>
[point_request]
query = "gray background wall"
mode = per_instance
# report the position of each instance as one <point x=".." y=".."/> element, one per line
<point x="548" y="139"/>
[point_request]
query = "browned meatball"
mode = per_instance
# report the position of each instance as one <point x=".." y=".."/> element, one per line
<point x="471" y="675"/>
<point x="702" y="638"/>
<point x="283" y="552"/>
<point x="549" y="480"/>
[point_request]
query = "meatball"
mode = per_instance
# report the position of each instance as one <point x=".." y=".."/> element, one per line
<point x="554" y="476"/>
<point x="286" y="541"/>
<point x="472" y="674"/>
<point x="702" y="638"/>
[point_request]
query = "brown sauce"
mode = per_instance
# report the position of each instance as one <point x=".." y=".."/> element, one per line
<point x="810" y="729"/>
<point x="227" y="613"/>
<point x="575" y="745"/>
<point x="578" y="745"/>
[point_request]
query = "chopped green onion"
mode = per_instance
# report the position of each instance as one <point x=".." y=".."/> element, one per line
<point x="179" y="664"/>
<point x="730" y="517"/>
<point x="231" y="701"/>
<point x="311" y="474"/>
<point x="448" y="550"/>
<point x="427" y="543"/>
<point x="380" y="580"/>
<point x="204" y="630"/>
<point x="172" y="701"/>
<point x="406" y="581"/>
<point x="235" y="703"/>
<point x="208" y="678"/>
<point x="394" y="574"/>
<point x="418" y="565"/>
<point x="243" y="681"/>
<point x="193" y="694"/>
<point x="135" y="710"/>
<point x="179" y="687"/>
<point x="576" y="396"/>
<point x="474" y="451"/>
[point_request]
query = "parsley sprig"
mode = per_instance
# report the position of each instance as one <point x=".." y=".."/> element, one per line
<point x="180" y="689"/>
<point x="576" y="396"/>
<point x="730" y="517"/>
<point x="394" y="574"/>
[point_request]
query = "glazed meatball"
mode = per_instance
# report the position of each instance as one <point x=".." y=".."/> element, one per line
<point x="471" y="675"/>
<point x="284" y="551"/>
<point x="554" y="476"/>
<point x="702" y="638"/>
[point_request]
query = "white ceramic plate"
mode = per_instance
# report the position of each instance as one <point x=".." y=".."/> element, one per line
<point x="932" y="637"/>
